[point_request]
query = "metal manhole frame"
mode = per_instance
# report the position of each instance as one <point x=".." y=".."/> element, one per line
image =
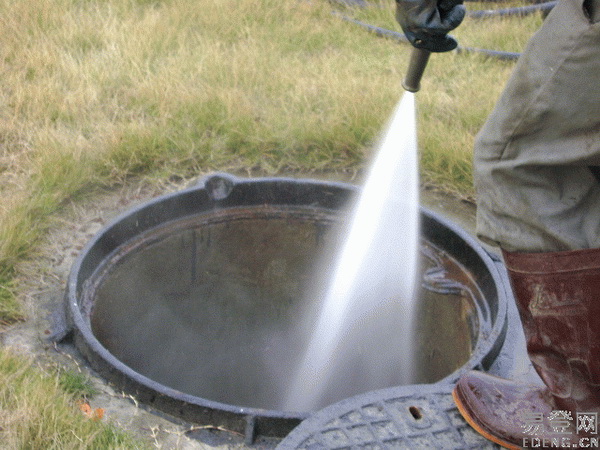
<point x="224" y="191"/>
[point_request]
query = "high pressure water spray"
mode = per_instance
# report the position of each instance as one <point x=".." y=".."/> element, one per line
<point x="426" y="24"/>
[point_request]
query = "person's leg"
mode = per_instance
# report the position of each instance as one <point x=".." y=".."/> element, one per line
<point x="539" y="201"/>
<point x="534" y="188"/>
<point x="557" y="299"/>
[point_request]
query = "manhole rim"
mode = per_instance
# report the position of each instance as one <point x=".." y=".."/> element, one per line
<point x="108" y="366"/>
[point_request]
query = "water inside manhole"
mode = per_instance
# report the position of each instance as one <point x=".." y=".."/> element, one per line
<point x="189" y="301"/>
<point x="207" y="306"/>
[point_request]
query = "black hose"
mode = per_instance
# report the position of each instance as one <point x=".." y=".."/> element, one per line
<point x="399" y="37"/>
<point x="497" y="54"/>
<point x="538" y="5"/>
<point x="359" y="3"/>
<point x="519" y="11"/>
<point x="381" y="32"/>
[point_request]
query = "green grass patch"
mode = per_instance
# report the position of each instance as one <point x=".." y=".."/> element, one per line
<point x="37" y="412"/>
<point x="10" y="309"/>
<point x="76" y="384"/>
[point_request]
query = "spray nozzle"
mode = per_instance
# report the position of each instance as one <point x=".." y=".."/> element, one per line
<point x="416" y="66"/>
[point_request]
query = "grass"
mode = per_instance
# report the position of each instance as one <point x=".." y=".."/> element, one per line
<point x="96" y="92"/>
<point x="38" y="409"/>
<point x="76" y="384"/>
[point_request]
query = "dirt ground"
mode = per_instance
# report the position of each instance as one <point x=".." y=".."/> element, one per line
<point x="44" y="279"/>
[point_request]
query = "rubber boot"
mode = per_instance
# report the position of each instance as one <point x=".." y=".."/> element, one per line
<point x="558" y="299"/>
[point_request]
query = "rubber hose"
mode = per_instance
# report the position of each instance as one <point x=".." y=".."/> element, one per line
<point x="399" y="37"/>
<point x="519" y="11"/>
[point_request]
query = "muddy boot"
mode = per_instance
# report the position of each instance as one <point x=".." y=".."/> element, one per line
<point x="558" y="298"/>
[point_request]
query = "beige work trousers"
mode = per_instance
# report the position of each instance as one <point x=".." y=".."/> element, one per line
<point x="535" y="189"/>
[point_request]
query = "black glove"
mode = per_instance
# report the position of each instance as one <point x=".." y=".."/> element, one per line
<point x="426" y="23"/>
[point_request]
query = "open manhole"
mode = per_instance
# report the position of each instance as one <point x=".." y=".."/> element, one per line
<point x="187" y="301"/>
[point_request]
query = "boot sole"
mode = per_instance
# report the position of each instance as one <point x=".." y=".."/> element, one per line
<point x="465" y="411"/>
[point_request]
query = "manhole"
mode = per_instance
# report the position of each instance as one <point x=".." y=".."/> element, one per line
<point x="187" y="301"/>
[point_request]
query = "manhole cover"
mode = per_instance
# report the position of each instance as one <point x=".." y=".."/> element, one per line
<point x="407" y="417"/>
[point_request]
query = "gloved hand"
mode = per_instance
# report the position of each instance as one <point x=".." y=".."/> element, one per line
<point x="426" y="23"/>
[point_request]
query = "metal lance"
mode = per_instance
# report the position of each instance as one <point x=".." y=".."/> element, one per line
<point x="416" y="66"/>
